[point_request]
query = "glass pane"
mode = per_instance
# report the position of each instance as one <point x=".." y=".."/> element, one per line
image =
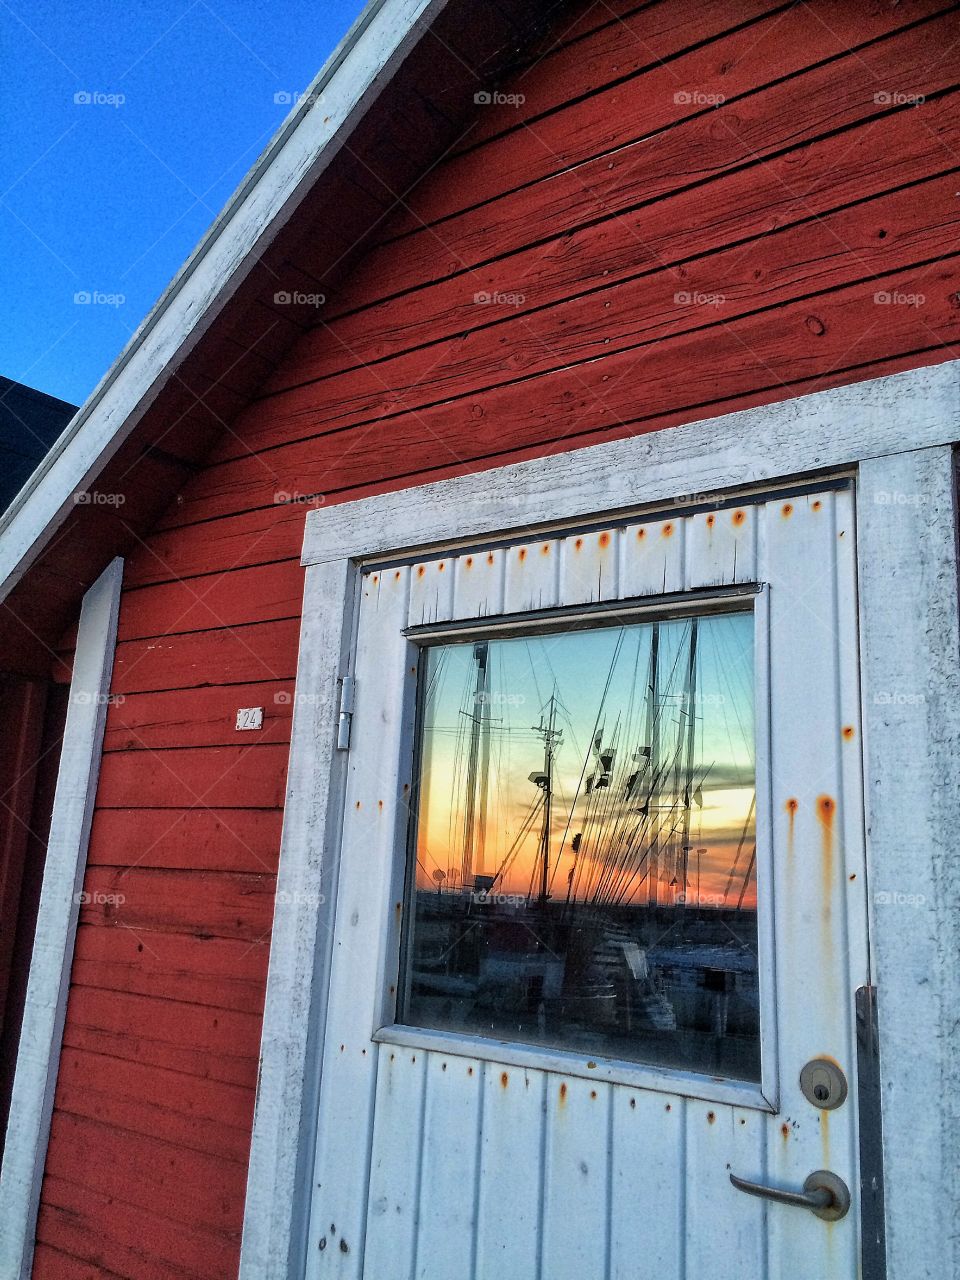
<point x="584" y="844"/>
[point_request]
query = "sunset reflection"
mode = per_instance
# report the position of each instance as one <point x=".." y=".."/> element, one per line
<point x="585" y="841"/>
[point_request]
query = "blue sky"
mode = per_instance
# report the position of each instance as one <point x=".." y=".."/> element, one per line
<point x="107" y="194"/>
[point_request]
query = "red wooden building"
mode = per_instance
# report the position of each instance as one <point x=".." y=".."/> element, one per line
<point x="534" y="326"/>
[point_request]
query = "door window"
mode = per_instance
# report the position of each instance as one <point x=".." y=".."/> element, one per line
<point x="582" y="860"/>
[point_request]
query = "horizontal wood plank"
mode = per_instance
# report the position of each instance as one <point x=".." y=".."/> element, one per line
<point x="265" y="651"/>
<point x="207" y="839"/>
<point x="212" y="777"/>
<point x="204" y="716"/>
<point x="193" y="967"/>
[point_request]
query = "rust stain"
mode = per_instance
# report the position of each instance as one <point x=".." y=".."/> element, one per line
<point x="375" y="578"/>
<point x="848" y="731"/>
<point x="791" y="807"/>
<point x="469" y="1071"/>
<point x="469" y="562"/>
<point x="787" y="510"/>
<point x="604" y="539"/>
<point x="711" y="520"/>
<point x="817" y="505"/>
<point x="563" y="1094"/>
<point x="357" y="805"/>
<point x="379" y="804"/>
<point x="641" y="533"/>
<point x="421" y="570"/>
<point x="441" y="566"/>
<point x="545" y="549"/>
<point x="522" y="553"/>
<point x="396" y="576"/>
<point x="593" y="1093"/>
<point x="667" y="530"/>
<point x="578" y="544"/>
<point x="504" y="1079"/>
<point x="826" y="812"/>
<point x="785" y="1131"/>
<point x="489" y="557"/>
<point x="739" y="517"/>
<point x="711" y="1117"/>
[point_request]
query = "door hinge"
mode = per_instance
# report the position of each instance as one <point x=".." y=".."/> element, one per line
<point x="347" y="695"/>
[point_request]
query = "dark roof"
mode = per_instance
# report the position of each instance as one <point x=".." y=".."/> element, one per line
<point x="30" y="421"/>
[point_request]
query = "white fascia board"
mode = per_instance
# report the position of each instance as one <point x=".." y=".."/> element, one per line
<point x="311" y="136"/>
<point x="824" y="430"/>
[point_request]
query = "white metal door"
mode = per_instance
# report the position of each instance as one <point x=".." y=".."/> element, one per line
<point x="443" y="1155"/>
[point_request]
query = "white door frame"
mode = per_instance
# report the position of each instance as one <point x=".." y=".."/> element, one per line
<point x="898" y="432"/>
<point x="45" y="1006"/>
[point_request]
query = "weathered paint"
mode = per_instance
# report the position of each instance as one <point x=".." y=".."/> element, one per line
<point x="567" y="1148"/>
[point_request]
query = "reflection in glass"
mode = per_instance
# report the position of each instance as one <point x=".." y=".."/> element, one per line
<point x="585" y="856"/>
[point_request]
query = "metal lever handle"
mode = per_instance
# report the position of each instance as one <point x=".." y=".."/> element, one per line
<point x="824" y="1194"/>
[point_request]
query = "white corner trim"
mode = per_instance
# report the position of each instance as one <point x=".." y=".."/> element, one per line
<point x="310" y="138"/>
<point x="828" y="429"/>
<point x="910" y="672"/>
<point x="38" y="1056"/>
<point x="281" y="1151"/>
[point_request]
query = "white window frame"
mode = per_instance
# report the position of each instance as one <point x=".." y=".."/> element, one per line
<point x="677" y="1080"/>
<point x="898" y="432"/>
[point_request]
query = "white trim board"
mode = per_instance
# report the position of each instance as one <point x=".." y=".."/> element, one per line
<point x="825" y="430"/>
<point x="38" y="1055"/>
<point x="313" y="134"/>
<point x="910" y="674"/>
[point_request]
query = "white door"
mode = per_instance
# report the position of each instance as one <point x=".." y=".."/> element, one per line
<point x="600" y="901"/>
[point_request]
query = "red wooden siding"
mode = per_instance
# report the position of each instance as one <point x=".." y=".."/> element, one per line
<point x="694" y="209"/>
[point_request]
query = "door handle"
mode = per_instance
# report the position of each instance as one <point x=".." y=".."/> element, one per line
<point x="824" y="1194"/>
